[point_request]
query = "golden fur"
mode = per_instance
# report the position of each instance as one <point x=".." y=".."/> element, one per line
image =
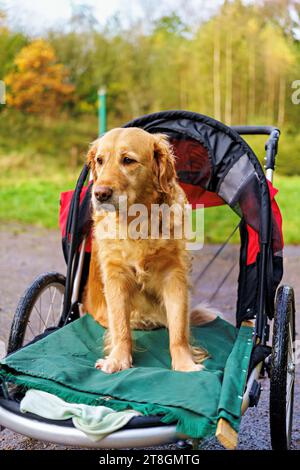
<point x="141" y="283"/>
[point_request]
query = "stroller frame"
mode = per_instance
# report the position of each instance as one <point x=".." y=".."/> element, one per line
<point x="142" y="431"/>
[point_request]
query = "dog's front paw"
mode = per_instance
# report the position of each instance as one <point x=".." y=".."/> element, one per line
<point x="183" y="361"/>
<point x="188" y="367"/>
<point x="113" y="364"/>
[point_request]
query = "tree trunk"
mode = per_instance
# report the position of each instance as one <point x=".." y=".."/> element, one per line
<point x="228" y="69"/>
<point x="216" y="72"/>
<point x="251" y="93"/>
<point x="271" y="90"/>
<point x="281" y="101"/>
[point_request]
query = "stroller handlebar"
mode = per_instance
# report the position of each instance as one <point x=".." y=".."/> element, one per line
<point x="256" y="130"/>
<point x="271" y="146"/>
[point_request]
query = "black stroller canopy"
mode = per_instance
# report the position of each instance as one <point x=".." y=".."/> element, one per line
<point x="214" y="158"/>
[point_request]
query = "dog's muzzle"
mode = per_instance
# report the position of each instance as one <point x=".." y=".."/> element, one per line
<point x="103" y="193"/>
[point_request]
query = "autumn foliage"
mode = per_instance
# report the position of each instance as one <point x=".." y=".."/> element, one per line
<point x="39" y="84"/>
<point x="238" y="62"/>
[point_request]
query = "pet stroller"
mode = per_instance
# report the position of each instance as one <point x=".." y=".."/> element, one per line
<point x="215" y="166"/>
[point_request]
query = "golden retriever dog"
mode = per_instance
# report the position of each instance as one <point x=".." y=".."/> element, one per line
<point x="138" y="283"/>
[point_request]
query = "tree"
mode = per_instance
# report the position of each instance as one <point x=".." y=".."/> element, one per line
<point x="10" y="44"/>
<point x="39" y="84"/>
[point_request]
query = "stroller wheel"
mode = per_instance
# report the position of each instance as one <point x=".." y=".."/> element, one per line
<point x="39" y="310"/>
<point x="282" y="370"/>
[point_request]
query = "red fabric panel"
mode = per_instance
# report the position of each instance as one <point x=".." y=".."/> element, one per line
<point x="253" y="237"/>
<point x="195" y="195"/>
<point x="253" y="245"/>
<point x="65" y="202"/>
<point x="276" y="213"/>
<point x="192" y="157"/>
<point x="198" y="195"/>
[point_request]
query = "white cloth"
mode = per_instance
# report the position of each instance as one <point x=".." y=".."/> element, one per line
<point x="95" y="421"/>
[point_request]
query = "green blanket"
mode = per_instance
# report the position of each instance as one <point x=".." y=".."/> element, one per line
<point x="63" y="364"/>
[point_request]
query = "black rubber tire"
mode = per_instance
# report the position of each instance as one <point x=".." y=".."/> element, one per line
<point x="26" y="305"/>
<point x="284" y="317"/>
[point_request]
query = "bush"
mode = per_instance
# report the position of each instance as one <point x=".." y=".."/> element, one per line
<point x="60" y="142"/>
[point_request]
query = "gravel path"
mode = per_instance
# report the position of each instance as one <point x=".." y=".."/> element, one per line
<point x="27" y="252"/>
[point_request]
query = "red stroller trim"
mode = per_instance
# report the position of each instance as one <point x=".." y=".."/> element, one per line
<point x="196" y="195"/>
<point x="253" y="238"/>
<point x="65" y="203"/>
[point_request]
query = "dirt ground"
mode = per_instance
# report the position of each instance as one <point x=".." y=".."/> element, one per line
<point x="27" y="252"/>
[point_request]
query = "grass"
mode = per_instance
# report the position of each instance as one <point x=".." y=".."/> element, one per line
<point x="289" y="202"/>
<point x="62" y="140"/>
<point x="32" y="202"/>
<point x="39" y="158"/>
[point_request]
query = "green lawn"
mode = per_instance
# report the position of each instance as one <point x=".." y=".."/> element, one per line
<point x="35" y="200"/>
<point x="289" y="203"/>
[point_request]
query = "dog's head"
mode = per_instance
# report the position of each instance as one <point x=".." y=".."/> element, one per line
<point x="131" y="163"/>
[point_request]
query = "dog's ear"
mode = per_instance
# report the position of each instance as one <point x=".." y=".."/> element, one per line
<point x="165" y="162"/>
<point x="90" y="158"/>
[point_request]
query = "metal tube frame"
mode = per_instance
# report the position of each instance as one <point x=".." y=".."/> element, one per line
<point x="271" y="148"/>
<point x="70" y="436"/>
<point x="261" y="320"/>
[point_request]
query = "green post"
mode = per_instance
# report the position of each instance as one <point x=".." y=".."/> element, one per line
<point x="102" y="110"/>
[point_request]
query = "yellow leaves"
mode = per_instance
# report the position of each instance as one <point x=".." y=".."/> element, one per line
<point x="276" y="48"/>
<point x="252" y="26"/>
<point x="36" y="55"/>
<point x="39" y="83"/>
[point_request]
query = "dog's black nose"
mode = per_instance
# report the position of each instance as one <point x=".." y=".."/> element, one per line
<point x="102" y="193"/>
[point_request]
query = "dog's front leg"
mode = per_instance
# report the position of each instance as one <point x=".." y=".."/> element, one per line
<point x="175" y="296"/>
<point x="117" y="289"/>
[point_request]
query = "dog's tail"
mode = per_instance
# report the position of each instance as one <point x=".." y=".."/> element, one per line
<point x="202" y="313"/>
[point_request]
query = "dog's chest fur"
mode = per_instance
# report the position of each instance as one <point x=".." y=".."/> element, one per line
<point x="143" y="258"/>
<point x="146" y="261"/>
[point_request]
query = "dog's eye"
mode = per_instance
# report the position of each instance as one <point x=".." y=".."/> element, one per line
<point x="99" y="161"/>
<point x="128" y="161"/>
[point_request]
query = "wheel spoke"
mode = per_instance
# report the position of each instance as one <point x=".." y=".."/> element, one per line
<point x="61" y="306"/>
<point x="291" y="345"/>
<point x="51" y="309"/>
<point x="40" y="315"/>
<point x="289" y="394"/>
<point x="53" y="313"/>
<point x="41" y="319"/>
<point x="288" y="401"/>
<point x="291" y="381"/>
<point x="288" y="405"/>
<point x="29" y="326"/>
<point x="37" y="309"/>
